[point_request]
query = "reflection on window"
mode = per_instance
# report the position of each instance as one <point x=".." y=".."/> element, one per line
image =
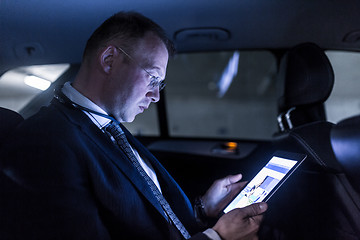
<point x="20" y="85"/>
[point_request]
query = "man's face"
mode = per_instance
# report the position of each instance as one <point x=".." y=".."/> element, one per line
<point x="128" y="92"/>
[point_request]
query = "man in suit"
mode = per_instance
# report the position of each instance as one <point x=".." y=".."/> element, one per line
<point x="65" y="175"/>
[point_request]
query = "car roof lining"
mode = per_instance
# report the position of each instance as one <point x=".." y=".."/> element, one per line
<point x="250" y="24"/>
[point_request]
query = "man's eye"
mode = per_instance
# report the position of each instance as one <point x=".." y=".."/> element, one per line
<point x="154" y="81"/>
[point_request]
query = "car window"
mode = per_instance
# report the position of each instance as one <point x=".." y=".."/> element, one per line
<point x="198" y="103"/>
<point x="344" y="100"/>
<point x="217" y="95"/>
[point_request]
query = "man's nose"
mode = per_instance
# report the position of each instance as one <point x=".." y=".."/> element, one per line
<point x="154" y="94"/>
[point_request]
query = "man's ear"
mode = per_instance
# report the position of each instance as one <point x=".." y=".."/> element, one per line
<point x="107" y="59"/>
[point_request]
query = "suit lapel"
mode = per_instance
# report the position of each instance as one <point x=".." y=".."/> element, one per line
<point x="116" y="156"/>
<point x="175" y="195"/>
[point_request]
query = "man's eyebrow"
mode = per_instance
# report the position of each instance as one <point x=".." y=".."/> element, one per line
<point x="152" y="67"/>
<point x="150" y="64"/>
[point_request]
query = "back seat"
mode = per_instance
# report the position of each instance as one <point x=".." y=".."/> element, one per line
<point x="316" y="200"/>
<point x="9" y="119"/>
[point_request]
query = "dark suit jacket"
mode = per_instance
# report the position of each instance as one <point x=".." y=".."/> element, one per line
<point x="63" y="178"/>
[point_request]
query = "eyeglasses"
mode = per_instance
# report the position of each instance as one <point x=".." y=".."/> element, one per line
<point x="154" y="81"/>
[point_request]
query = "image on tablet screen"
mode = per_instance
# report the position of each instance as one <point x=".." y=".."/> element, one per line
<point x="262" y="184"/>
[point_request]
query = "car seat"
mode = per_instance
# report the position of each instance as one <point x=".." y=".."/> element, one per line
<point x="345" y="141"/>
<point x="320" y="200"/>
<point x="314" y="202"/>
<point x="307" y="80"/>
<point x="9" y="119"/>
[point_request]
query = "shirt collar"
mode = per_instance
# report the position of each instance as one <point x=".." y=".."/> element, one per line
<point x="75" y="96"/>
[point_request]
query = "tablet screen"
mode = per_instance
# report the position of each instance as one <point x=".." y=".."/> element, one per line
<point x="267" y="181"/>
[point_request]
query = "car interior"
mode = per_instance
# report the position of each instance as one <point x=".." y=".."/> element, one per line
<point x="249" y="78"/>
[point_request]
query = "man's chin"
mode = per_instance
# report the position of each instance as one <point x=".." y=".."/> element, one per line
<point x="129" y="119"/>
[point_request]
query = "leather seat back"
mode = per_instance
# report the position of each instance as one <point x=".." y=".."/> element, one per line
<point x="8" y="121"/>
<point x="345" y="141"/>
<point x="307" y="80"/>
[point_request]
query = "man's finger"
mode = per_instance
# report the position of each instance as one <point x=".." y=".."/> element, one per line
<point x="234" y="178"/>
<point x="254" y="209"/>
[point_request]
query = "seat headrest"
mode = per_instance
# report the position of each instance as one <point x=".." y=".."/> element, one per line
<point x="307" y="76"/>
<point x="345" y="141"/>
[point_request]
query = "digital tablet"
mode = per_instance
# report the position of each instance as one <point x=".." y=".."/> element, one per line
<point x="268" y="179"/>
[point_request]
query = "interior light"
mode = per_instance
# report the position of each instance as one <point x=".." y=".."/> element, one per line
<point x="226" y="148"/>
<point x="231" y="145"/>
<point x="37" y="82"/>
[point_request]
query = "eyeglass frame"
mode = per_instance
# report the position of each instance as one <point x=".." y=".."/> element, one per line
<point x="154" y="81"/>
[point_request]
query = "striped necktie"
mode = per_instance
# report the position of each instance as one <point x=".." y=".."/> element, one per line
<point x="115" y="130"/>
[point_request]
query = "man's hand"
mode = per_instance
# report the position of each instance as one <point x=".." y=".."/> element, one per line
<point x="220" y="193"/>
<point x="241" y="223"/>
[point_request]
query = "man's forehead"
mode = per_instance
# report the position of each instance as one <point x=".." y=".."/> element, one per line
<point x="150" y="43"/>
<point x="152" y="51"/>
